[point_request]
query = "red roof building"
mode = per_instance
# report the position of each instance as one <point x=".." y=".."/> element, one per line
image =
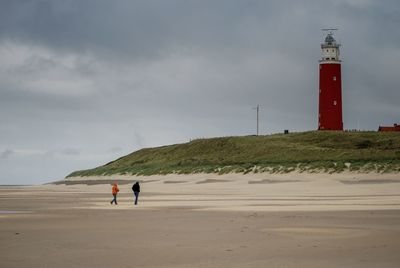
<point x="395" y="127"/>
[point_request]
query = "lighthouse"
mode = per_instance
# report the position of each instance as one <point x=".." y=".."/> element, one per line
<point x="330" y="85"/>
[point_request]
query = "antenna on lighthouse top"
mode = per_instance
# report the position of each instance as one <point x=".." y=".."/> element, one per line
<point x="330" y="30"/>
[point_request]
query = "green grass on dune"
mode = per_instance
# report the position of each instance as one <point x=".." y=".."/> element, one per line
<point x="314" y="151"/>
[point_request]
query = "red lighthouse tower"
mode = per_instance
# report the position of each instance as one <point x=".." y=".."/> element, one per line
<point x="330" y="85"/>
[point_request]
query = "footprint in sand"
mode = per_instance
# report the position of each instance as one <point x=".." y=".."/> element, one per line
<point x="312" y="232"/>
<point x="211" y="181"/>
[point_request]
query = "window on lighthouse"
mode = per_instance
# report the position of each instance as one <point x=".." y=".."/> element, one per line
<point x="334" y="78"/>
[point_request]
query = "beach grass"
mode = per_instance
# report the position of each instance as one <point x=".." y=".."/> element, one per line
<point x="313" y="151"/>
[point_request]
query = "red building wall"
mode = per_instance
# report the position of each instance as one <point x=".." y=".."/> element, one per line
<point x="395" y="127"/>
<point x="330" y="97"/>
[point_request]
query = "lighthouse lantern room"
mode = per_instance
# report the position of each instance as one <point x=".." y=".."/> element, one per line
<point x="330" y="85"/>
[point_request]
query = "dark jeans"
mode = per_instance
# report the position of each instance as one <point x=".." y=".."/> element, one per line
<point x="114" y="199"/>
<point x="136" y="197"/>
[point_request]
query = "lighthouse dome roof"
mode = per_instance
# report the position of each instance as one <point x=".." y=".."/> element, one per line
<point x="329" y="39"/>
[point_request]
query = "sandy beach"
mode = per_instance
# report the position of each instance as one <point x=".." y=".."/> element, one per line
<point x="205" y="220"/>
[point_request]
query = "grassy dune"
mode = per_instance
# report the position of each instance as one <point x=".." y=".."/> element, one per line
<point x="313" y="151"/>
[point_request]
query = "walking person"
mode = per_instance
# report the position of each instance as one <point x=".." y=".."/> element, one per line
<point x="115" y="191"/>
<point x="136" y="191"/>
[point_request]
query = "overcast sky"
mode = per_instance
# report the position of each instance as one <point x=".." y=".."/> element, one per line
<point x="85" y="82"/>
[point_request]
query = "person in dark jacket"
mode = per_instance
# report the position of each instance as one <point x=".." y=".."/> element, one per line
<point x="136" y="191"/>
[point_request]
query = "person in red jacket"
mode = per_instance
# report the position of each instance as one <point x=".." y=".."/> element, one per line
<point x="115" y="191"/>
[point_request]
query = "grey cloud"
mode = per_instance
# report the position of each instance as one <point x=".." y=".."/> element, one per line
<point x="6" y="153"/>
<point x="126" y="27"/>
<point x="70" y="151"/>
<point x="152" y="29"/>
<point x="116" y="149"/>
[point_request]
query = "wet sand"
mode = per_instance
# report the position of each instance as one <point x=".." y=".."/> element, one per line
<point x="259" y="220"/>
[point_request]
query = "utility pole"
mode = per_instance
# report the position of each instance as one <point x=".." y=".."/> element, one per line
<point x="258" y="110"/>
